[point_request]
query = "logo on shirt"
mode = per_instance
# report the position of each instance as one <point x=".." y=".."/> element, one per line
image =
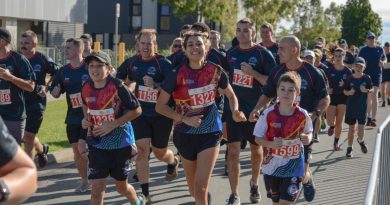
<point x="134" y="68"/>
<point x="151" y="71"/>
<point x="345" y="76"/>
<point x="252" y="61"/>
<point x="232" y="59"/>
<point x="189" y="81"/>
<point x="292" y="190"/>
<point x="276" y="125"/>
<point x="66" y="80"/>
<point x="37" y="68"/>
<point x="304" y="84"/>
<point x="91" y="99"/>
<point x="84" y="78"/>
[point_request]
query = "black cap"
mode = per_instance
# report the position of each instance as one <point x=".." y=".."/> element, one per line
<point x="370" y="35"/>
<point x="5" y="34"/>
<point x="100" y="56"/>
<point x="387" y="45"/>
<point x="342" y="41"/>
<point x="360" y="61"/>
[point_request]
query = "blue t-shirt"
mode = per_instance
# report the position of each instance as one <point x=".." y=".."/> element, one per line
<point x="246" y="87"/>
<point x="71" y="80"/>
<point x="274" y="50"/>
<point x="194" y="92"/>
<point x="313" y="86"/>
<point x="12" y="101"/>
<point x="42" y="66"/>
<point x="177" y="59"/>
<point x="8" y="145"/>
<point x="107" y="104"/>
<point x="372" y="56"/>
<point x="337" y="79"/>
<point x="159" y="68"/>
<point x="122" y="71"/>
<point x="357" y="103"/>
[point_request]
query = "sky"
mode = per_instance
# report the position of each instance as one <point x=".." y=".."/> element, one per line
<point x="382" y="7"/>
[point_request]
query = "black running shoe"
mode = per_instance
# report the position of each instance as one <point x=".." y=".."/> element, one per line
<point x="368" y="123"/>
<point x="309" y="190"/>
<point x="208" y="198"/>
<point x="349" y="152"/>
<point x="254" y="196"/>
<point x="172" y="169"/>
<point x="363" y="146"/>
<point x="42" y="157"/>
<point x="384" y="104"/>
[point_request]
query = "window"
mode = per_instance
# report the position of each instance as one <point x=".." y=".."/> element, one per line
<point x="135" y="15"/>
<point x="165" y="17"/>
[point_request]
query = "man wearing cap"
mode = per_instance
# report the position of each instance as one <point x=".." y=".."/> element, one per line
<point x="349" y="58"/>
<point x="375" y="58"/>
<point x="36" y="100"/>
<point x="321" y="44"/>
<point x="16" y="76"/>
<point x="385" y="86"/>
<point x="69" y="80"/>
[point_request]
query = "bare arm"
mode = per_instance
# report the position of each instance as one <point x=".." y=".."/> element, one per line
<point x="163" y="108"/>
<point x="20" y="175"/>
<point x="262" y="103"/>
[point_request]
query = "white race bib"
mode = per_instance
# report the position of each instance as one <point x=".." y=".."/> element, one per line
<point x="5" y="97"/>
<point x="203" y="96"/>
<point x="75" y="100"/>
<point x="100" y="116"/>
<point x="147" y="94"/>
<point x="242" y="79"/>
<point x="387" y="65"/>
<point x="291" y="149"/>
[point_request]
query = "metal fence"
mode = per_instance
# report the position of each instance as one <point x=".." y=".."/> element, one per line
<point x="55" y="53"/>
<point x="379" y="182"/>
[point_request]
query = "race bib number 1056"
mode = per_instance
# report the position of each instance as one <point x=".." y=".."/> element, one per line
<point x="203" y="96"/>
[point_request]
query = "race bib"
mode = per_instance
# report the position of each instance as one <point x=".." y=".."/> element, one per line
<point x="147" y="94"/>
<point x="203" y="96"/>
<point x="291" y="149"/>
<point x="5" y="97"/>
<point x="387" y="65"/>
<point x="100" y="116"/>
<point x="242" y="79"/>
<point x="75" y="100"/>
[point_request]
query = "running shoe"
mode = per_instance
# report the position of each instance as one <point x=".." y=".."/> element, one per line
<point x="254" y="196"/>
<point x="148" y="200"/>
<point x="309" y="190"/>
<point x="208" y="198"/>
<point x="142" y="199"/>
<point x="336" y="147"/>
<point x="368" y="123"/>
<point x="315" y="138"/>
<point x="363" y="146"/>
<point x="233" y="200"/>
<point x="42" y="157"/>
<point x="172" y="170"/>
<point x="384" y="104"/>
<point x="373" y="123"/>
<point x="330" y="130"/>
<point x="349" y="152"/>
<point x="83" y="187"/>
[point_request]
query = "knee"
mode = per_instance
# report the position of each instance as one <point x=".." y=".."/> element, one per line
<point x="159" y="153"/>
<point x="122" y="189"/>
<point x="234" y="152"/>
<point x="143" y="153"/>
<point x="200" y="191"/>
<point x="97" y="192"/>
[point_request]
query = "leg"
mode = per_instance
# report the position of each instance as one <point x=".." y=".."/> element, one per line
<point x="256" y="160"/>
<point x="126" y="190"/>
<point x="204" y="168"/>
<point x="98" y="190"/>
<point x="340" y="113"/>
<point x="142" y="164"/>
<point x="383" y="93"/>
<point x="374" y="102"/>
<point x="351" y="134"/>
<point x="330" y="119"/>
<point x="38" y="145"/>
<point x="190" y="172"/>
<point x="234" y="166"/>
<point x="164" y="154"/>
<point x="29" y="139"/>
<point x="81" y="163"/>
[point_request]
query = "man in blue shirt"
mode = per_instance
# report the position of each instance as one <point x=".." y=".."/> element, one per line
<point x="375" y="58"/>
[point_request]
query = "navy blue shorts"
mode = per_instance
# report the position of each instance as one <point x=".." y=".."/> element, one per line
<point x="34" y="118"/>
<point x="338" y="99"/>
<point x="75" y="133"/>
<point x="285" y="188"/>
<point x="376" y="79"/>
<point x="353" y="115"/>
<point x="190" y="145"/>
<point x="158" y="128"/>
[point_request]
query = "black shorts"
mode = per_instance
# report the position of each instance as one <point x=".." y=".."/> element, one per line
<point x="190" y="145"/>
<point x="115" y="163"/>
<point x="337" y="99"/>
<point x="351" y="120"/>
<point x="376" y="79"/>
<point x="286" y="188"/>
<point x="75" y="132"/>
<point x="33" y="121"/>
<point x="158" y="128"/>
<point x="307" y="149"/>
<point x="237" y="131"/>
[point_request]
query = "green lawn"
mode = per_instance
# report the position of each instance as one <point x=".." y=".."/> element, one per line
<point x="53" y="130"/>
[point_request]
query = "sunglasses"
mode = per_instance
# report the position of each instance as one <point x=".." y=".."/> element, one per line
<point x="371" y="38"/>
<point x="177" y="46"/>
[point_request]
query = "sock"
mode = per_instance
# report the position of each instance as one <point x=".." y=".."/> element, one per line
<point x="145" y="189"/>
<point x="252" y="183"/>
<point x="336" y="141"/>
<point x="360" y="141"/>
<point x="349" y="146"/>
<point x="332" y="126"/>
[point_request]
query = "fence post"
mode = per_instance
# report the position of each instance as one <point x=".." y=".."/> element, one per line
<point x="121" y="52"/>
<point x="96" y="46"/>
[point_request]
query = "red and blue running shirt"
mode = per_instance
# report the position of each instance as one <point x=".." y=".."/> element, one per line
<point x="287" y="161"/>
<point x="194" y="93"/>
<point x="107" y="104"/>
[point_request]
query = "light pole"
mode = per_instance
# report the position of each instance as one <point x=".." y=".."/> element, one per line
<point x="116" y="38"/>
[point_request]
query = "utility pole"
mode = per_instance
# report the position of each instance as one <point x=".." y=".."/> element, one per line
<point x="116" y="37"/>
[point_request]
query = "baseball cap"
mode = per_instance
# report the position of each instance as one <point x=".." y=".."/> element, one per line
<point x="100" y="56"/>
<point x="319" y="45"/>
<point x="308" y="53"/>
<point x="387" y="44"/>
<point x="360" y="61"/>
<point x="342" y="41"/>
<point x="5" y="34"/>
<point x="370" y="34"/>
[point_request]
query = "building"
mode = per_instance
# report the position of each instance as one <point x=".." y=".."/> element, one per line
<point x="54" y="21"/>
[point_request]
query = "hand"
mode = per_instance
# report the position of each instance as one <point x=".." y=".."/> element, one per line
<point x="381" y="64"/>
<point x="341" y="83"/>
<point x="276" y="144"/>
<point x="148" y="81"/>
<point x="351" y="92"/>
<point x="363" y="89"/>
<point x="56" y="91"/>
<point x="247" y="69"/>
<point x="193" y="121"/>
<point x="42" y="91"/>
<point x="5" y="74"/>
<point x="105" y="128"/>
<point x="85" y="123"/>
<point x="238" y="116"/>
<point x="254" y="115"/>
<point x="330" y="91"/>
<point x="305" y="138"/>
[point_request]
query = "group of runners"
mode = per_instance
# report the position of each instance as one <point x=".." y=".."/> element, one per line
<point x="273" y="95"/>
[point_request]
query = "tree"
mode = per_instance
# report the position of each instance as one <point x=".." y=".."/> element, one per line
<point x="357" y="19"/>
<point x="311" y="22"/>
<point x="223" y="12"/>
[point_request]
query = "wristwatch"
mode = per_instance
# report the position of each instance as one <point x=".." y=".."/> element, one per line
<point x="317" y="112"/>
<point x="4" y="192"/>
